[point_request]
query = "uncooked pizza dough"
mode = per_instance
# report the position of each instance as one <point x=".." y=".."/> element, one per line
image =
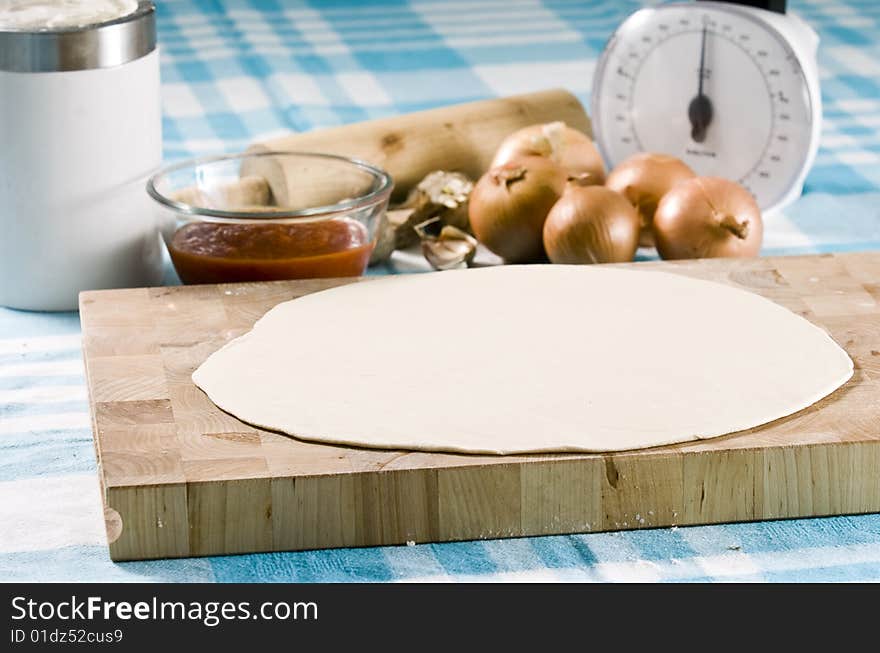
<point x="518" y="359"/>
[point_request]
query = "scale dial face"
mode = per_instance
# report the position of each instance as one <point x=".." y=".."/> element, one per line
<point x="647" y="83"/>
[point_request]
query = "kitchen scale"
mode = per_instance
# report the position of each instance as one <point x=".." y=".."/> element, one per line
<point x="731" y="90"/>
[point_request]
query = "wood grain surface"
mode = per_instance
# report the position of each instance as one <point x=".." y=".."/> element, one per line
<point x="181" y="478"/>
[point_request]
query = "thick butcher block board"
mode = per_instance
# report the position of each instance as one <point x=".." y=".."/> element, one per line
<point x="182" y="478"/>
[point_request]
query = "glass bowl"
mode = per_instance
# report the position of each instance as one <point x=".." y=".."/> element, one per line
<point x="267" y="216"/>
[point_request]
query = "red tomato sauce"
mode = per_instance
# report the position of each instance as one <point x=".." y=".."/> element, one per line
<point x="207" y="252"/>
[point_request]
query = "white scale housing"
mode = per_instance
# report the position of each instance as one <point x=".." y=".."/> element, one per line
<point x="760" y="74"/>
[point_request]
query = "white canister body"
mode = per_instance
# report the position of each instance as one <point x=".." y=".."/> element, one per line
<point x="76" y="148"/>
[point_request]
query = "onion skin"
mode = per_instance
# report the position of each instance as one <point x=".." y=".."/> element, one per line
<point x="509" y="204"/>
<point x="644" y="179"/>
<point x="591" y="224"/>
<point x="708" y="217"/>
<point x="567" y="147"/>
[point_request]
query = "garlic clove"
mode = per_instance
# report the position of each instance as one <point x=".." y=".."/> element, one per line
<point x="445" y="246"/>
<point x="440" y="194"/>
<point x="448" y="254"/>
<point x="449" y="189"/>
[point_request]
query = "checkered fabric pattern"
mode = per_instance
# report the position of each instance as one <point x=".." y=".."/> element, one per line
<point x="238" y="70"/>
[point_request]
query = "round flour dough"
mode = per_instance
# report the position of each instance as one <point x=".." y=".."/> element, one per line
<point x="519" y="359"/>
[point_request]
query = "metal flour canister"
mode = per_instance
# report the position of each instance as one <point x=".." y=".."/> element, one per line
<point x="80" y="131"/>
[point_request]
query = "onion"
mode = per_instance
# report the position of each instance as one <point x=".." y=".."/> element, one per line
<point x="570" y="149"/>
<point x="591" y="224"/>
<point x="644" y="179"/>
<point x="708" y="217"/>
<point x="509" y="204"/>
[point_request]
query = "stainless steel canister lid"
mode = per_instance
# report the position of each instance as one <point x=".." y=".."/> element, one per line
<point x="99" y="45"/>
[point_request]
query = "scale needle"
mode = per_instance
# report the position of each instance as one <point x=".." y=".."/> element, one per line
<point x="700" y="108"/>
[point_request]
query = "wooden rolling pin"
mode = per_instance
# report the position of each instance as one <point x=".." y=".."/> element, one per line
<point x="460" y="138"/>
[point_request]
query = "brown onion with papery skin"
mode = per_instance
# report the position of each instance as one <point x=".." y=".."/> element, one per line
<point x="644" y="179"/>
<point x="708" y="217"/>
<point x="509" y="204"/>
<point x="567" y="147"/>
<point x="591" y="224"/>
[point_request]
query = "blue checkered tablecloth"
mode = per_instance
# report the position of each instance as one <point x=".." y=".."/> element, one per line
<point x="236" y="70"/>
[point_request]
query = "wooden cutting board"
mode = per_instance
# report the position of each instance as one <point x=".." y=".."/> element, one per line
<point x="182" y="478"/>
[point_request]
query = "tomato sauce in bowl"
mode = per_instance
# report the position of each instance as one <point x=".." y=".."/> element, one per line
<point x="206" y="252"/>
<point x="265" y="216"/>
